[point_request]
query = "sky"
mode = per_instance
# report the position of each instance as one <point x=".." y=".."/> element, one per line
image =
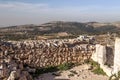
<point x="20" y="12"/>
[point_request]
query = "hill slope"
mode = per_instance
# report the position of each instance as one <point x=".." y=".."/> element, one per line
<point x="60" y="26"/>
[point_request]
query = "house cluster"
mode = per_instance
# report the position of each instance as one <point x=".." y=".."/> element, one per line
<point x="86" y="38"/>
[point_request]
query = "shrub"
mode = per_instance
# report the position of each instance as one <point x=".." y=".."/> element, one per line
<point x="96" y="68"/>
<point x="93" y="63"/>
<point x="44" y="70"/>
<point x="99" y="71"/>
<point x="65" y="66"/>
<point x="115" y="76"/>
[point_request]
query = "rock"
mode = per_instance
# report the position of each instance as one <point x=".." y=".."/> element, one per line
<point x="21" y="66"/>
<point x="1" y="73"/>
<point x="18" y="73"/>
<point x="31" y="70"/>
<point x="28" y="76"/>
<point x="86" y="67"/>
<point x="75" y="75"/>
<point x="13" y="75"/>
<point x="23" y="77"/>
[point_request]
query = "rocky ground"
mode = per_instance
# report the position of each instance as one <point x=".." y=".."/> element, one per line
<point x="77" y="73"/>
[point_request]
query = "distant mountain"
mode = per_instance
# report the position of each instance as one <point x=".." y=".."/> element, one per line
<point x="61" y="26"/>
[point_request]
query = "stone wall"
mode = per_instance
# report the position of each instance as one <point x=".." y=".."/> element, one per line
<point x="10" y="68"/>
<point x="18" y="58"/>
<point x="47" y="53"/>
<point x="110" y="55"/>
<point x="104" y="56"/>
<point x="100" y="54"/>
<point x="117" y="56"/>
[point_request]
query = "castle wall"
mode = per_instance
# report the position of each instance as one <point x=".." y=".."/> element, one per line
<point x="117" y="56"/>
<point x="100" y="54"/>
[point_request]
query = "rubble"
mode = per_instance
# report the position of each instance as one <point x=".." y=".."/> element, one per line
<point x="10" y="68"/>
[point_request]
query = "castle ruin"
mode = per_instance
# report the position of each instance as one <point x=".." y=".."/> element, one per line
<point x="108" y="57"/>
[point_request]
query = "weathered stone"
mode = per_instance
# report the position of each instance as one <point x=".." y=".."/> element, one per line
<point x="117" y="56"/>
<point x="23" y="77"/>
<point x="31" y="70"/>
<point x="13" y="75"/>
<point x="100" y="54"/>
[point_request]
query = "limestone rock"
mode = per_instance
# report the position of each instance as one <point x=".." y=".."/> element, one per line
<point x="13" y="75"/>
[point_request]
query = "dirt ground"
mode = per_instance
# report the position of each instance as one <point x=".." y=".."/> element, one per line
<point x="77" y="73"/>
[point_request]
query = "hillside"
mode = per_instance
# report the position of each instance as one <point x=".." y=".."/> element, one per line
<point x="74" y="28"/>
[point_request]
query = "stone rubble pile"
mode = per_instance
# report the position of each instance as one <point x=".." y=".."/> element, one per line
<point x="10" y="68"/>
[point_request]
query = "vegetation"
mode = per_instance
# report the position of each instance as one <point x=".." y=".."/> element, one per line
<point x="93" y="63"/>
<point x="17" y="37"/>
<point x="74" y="28"/>
<point x="96" y="68"/>
<point x="44" y="70"/>
<point x="115" y="76"/>
<point x="65" y="66"/>
<point x="98" y="71"/>
<point x="61" y="67"/>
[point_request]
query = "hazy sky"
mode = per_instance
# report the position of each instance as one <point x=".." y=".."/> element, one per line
<point x="16" y="12"/>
